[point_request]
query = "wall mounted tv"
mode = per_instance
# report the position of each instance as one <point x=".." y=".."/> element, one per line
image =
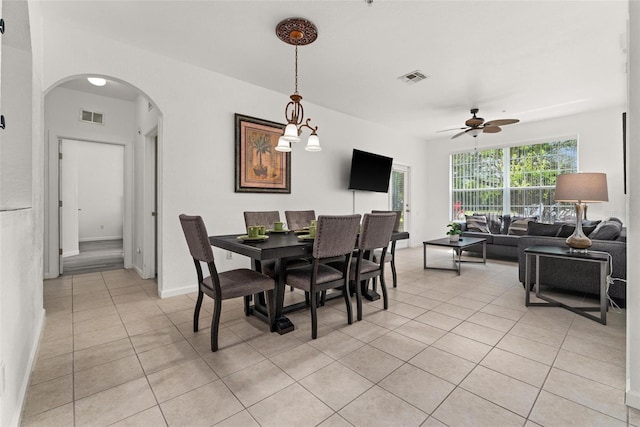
<point x="370" y="172"/>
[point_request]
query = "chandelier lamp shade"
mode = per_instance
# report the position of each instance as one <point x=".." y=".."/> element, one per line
<point x="297" y="32"/>
<point x="580" y="188"/>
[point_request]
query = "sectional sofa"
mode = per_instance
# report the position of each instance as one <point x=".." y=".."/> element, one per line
<point x="607" y="236"/>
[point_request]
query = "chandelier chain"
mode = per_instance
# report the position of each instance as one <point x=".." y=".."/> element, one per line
<point x="296" y="91"/>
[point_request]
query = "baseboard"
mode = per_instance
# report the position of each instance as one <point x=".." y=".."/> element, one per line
<point x="70" y="253"/>
<point x="632" y="398"/>
<point x="95" y="239"/>
<point x="35" y="346"/>
<point x="48" y="275"/>
<point x="178" y="291"/>
<point x="137" y="269"/>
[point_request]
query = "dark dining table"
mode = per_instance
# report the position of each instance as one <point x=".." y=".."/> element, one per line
<point x="280" y="247"/>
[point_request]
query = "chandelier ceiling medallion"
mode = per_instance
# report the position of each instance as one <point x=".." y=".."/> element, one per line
<point x="297" y="32"/>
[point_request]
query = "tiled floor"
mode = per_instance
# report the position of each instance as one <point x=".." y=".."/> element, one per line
<point x="451" y="350"/>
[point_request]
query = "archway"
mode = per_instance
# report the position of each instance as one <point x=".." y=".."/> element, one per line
<point x="115" y="114"/>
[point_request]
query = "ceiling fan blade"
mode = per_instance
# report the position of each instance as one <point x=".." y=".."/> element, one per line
<point x="491" y="129"/>
<point x="447" y="130"/>
<point x="460" y="133"/>
<point x="501" y="122"/>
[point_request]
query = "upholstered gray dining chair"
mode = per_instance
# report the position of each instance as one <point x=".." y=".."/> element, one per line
<point x="375" y="234"/>
<point x="391" y="253"/>
<point x="266" y="218"/>
<point x="335" y="237"/>
<point x="297" y="220"/>
<point x="240" y="282"/>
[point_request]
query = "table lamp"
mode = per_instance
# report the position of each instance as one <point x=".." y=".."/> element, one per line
<point x="580" y="188"/>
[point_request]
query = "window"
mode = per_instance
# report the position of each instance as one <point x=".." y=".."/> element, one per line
<point x="517" y="180"/>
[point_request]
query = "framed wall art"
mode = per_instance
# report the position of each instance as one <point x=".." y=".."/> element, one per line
<point x="259" y="167"/>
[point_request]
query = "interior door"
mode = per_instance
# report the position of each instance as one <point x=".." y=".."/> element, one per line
<point x="399" y="198"/>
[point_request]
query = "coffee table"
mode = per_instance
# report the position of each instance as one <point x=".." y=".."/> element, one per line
<point x="458" y="247"/>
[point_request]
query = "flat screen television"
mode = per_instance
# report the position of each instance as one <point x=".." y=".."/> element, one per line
<point x="369" y="172"/>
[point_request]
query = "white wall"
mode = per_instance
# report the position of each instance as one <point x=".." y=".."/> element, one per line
<point x="15" y="150"/>
<point x="21" y="312"/>
<point x="100" y="191"/>
<point x="633" y="184"/>
<point x="599" y="150"/>
<point x="62" y="120"/>
<point x="197" y="144"/>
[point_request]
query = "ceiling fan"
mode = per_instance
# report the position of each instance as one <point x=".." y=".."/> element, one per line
<point x="477" y="125"/>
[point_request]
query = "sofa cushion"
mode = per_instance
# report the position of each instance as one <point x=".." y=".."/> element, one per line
<point x="542" y="229"/>
<point x="477" y="223"/>
<point x="506" y="239"/>
<point x="487" y="236"/>
<point x="606" y="230"/>
<point x="519" y="226"/>
<point x="567" y="230"/>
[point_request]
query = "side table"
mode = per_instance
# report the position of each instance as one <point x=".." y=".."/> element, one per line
<point x="538" y="252"/>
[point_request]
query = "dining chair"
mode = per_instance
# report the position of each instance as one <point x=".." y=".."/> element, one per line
<point x="375" y="234"/>
<point x="335" y="237"/>
<point x="266" y="218"/>
<point x="297" y="220"/>
<point x="391" y="253"/>
<point x="240" y="282"/>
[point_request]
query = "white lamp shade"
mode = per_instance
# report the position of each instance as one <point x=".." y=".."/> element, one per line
<point x="582" y="187"/>
<point x="313" y="144"/>
<point x="97" y="81"/>
<point x="291" y="133"/>
<point x="474" y="132"/>
<point x="283" y="145"/>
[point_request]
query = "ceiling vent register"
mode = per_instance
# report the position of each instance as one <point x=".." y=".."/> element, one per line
<point x="92" y="117"/>
<point x="413" y="77"/>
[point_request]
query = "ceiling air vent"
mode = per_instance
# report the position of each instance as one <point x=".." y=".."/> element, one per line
<point x="92" y="117"/>
<point x="413" y="77"/>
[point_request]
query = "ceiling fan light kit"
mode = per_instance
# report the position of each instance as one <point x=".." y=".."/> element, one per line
<point x="476" y="125"/>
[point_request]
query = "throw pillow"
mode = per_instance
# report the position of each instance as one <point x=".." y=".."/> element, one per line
<point x="541" y="229"/>
<point x="613" y="218"/>
<point x="606" y="230"/>
<point x="567" y="230"/>
<point x="494" y="223"/>
<point x="506" y="222"/>
<point x="477" y="223"/>
<point x="518" y="227"/>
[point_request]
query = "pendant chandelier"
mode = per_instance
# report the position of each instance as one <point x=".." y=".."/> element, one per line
<point x="297" y="32"/>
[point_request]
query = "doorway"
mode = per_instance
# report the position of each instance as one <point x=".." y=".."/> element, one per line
<point x="399" y="198"/>
<point x="91" y="186"/>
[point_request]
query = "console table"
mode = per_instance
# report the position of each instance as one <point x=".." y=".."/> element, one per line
<point x="538" y="252"/>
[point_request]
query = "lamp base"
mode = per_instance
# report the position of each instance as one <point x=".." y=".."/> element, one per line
<point x="578" y="241"/>
<point x="578" y="247"/>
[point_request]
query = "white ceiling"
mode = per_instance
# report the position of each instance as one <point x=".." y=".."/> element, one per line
<point x="530" y="60"/>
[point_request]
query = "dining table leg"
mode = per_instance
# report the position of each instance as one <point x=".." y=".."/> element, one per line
<point x="280" y="323"/>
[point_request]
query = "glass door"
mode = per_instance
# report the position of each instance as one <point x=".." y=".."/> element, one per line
<point x="399" y="198"/>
